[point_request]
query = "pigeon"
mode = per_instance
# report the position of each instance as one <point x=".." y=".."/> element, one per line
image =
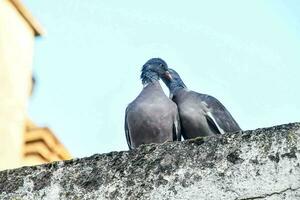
<point x="152" y="117"/>
<point x="200" y="114"/>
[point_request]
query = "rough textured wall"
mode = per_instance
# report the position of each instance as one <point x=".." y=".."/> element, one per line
<point x="16" y="46"/>
<point x="259" y="164"/>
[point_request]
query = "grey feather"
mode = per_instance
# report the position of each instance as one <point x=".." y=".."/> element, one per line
<point x="221" y="116"/>
<point x="200" y="114"/>
<point x="127" y="132"/>
<point x="152" y="117"/>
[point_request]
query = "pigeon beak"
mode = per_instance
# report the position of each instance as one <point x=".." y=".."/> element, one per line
<point x="168" y="75"/>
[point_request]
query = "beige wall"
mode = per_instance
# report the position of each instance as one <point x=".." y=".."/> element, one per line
<point x="16" y="49"/>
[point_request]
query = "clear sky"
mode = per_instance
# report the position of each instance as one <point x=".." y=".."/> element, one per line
<point x="245" y="53"/>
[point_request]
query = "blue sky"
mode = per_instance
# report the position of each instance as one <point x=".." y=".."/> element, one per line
<point x="245" y="53"/>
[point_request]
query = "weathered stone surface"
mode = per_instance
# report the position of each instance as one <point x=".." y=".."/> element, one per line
<point x="259" y="164"/>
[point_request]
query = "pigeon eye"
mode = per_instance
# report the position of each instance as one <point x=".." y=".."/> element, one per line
<point x="162" y="66"/>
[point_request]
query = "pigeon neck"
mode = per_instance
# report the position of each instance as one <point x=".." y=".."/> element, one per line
<point x="149" y="77"/>
<point x="174" y="86"/>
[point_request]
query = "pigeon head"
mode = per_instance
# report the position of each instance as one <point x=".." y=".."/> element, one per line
<point x="174" y="82"/>
<point x="154" y="69"/>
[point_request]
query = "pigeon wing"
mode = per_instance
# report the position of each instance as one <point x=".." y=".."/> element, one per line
<point x="127" y="131"/>
<point x="177" y="129"/>
<point x="218" y="115"/>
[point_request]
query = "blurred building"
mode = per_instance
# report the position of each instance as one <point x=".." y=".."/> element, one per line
<point x="21" y="142"/>
<point x="41" y="146"/>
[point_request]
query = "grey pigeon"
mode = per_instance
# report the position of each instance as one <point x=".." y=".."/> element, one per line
<point x="200" y="114"/>
<point x="152" y="117"/>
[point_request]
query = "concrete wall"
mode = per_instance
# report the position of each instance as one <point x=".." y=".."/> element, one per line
<point x="16" y="51"/>
<point x="259" y="164"/>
